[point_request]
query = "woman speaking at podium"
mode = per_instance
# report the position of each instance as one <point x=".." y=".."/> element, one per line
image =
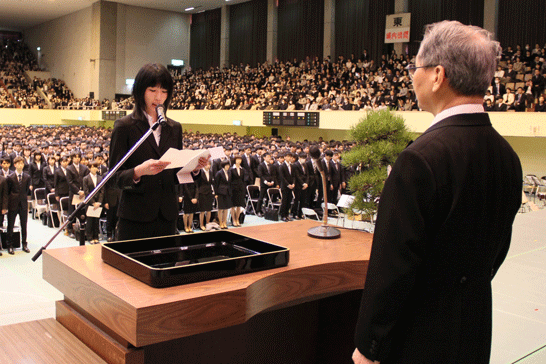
<point x="149" y="201"/>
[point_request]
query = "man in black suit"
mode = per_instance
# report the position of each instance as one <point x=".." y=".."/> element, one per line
<point x="510" y="74"/>
<point x="302" y="185"/>
<point x="498" y="88"/>
<point x="267" y="180"/>
<point x="216" y="163"/>
<point x="74" y="176"/>
<point x="437" y="246"/>
<point x="18" y="190"/>
<point x="246" y="163"/>
<point x="3" y="201"/>
<point x="519" y="100"/>
<point x="314" y="183"/>
<point x="288" y="182"/>
<point x="328" y="167"/>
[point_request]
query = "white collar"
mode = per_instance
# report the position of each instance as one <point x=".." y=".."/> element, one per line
<point x="457" y="110"/>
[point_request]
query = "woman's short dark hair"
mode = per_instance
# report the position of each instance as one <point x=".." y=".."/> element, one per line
<point x="224" y="163"/>
<point x="151" y="75"/>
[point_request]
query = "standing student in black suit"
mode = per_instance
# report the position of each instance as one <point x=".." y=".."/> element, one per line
<point x="90" y="181"/>
<point x="205" y="184"/>
<point x="247" y="164"/>
<point x="190" y="198"/>
<point x="239" y="176"/>
<point x="288" y="183"/>
<point x="48" y="174"/>
<point x="4" y="194"/>
<point x="60" y="181"/>
<point x="302" y="185"/>
<point x="267" y="180"/>
<point x="255" y="161"/>
<point x="222" y="189"/>
<point x="436" y="246"/>
<point x="18" y="189"/>
<point x="37" y="166"/>
<point x="75" y="174"/>
<point x="314" y="183"/>
<point x="328" y="167"/>
<point x="148" y="204"/>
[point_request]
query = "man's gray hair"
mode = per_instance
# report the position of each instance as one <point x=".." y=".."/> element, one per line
<point x="468" y="54"/>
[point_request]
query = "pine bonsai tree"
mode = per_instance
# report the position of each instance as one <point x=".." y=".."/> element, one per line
<point x="379" y="137"/>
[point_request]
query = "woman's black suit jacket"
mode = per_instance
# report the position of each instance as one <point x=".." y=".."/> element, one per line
<point x="443" y="229"/>
<point x="152" y="195"/>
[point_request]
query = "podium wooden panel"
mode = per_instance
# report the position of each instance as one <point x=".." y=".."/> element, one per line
<point x="240" y="317"/>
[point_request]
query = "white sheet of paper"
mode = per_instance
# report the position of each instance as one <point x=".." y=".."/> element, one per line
<point x="76" y="200"/>
<point x="345" y="201"/>
<point x="189" y="159"/>
<point x="217" y="152"/>
<point x="184" y="177"/>
<point x="93" y="212"/>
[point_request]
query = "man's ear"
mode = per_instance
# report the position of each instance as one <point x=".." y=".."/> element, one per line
<point x="439" y="77"/>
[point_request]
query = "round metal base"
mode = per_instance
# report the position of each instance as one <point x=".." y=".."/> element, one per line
<point x="324" y="232"/>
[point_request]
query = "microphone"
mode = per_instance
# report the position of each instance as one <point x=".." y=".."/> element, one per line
<point x="323" y="231"/>
<point x="314" y="153"/>
<point x="160" y="109"/>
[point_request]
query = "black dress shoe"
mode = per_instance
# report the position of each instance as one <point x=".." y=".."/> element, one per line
<point x="0" y="254"/>
<point x="285" y="219"/>
<point x="10" y="250"/>
<point x="26" y="249"/>
<point x="259" y="214"/>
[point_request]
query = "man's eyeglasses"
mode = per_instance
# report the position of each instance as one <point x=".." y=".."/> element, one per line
<point x="411" y="68"/>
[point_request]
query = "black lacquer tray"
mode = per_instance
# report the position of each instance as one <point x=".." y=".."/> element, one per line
<point x="180" y="259"/>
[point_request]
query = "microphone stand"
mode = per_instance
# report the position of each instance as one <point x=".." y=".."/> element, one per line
<point x="324" y="231"/>
<point x="79" y="208"/>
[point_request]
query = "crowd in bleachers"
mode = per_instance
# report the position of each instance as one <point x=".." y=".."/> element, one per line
<point x="15" y="59"/>
<point x="311" y="84"/>
<point x="353" y="83"/>
<point x="519" y="81"/>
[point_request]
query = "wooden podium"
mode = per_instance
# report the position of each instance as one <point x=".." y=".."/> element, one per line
<point x="302" y="313"/>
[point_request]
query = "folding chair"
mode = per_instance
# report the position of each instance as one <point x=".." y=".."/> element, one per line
<point x="541" y="194"/>
<point x="309" y="214"/>
<point x="332" y="211"/>
<point x="275" y="197"/>
<point x="53" y="209"/>
<point x="40" y="202"/>
<point x="63" y="203"/>
<point x="252" y="197"/>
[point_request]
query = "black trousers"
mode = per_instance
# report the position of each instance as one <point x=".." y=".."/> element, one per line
<point x="300" y="200"/>
<point x="111" y="220"/>
<point x="92" y="228"/>
<point x="22" y="211"/>
<point x="263" y="194"/>
<point x="285" y="202"/>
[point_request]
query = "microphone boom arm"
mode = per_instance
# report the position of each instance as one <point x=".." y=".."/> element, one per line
<point x="99" y="186"/>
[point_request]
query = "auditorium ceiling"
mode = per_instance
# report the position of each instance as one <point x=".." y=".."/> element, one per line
<point x="17" y="15"/>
